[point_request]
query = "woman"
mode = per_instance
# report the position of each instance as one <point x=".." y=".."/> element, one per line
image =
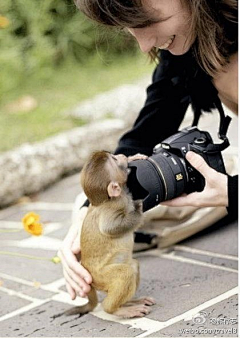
<point x="196" y="42"/>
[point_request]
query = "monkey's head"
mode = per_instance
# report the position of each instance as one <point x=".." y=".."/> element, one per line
<point x="103" y="176"/>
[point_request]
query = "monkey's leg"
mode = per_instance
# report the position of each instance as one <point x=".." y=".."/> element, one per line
<point x="135" y="266"/>
<point x="121" y="288"/>
<point x="92" y="303"/>
<point x="144" y="300"/>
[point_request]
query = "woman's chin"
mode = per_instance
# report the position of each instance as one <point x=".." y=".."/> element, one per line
<point x="179" y="50"/>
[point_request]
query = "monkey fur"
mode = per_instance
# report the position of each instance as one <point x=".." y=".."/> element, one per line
<point x="107" y="238"/>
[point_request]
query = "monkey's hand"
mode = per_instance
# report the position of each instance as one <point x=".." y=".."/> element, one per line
<point x="121" y="216"/>
<point x="138" y="204"/>
<point x="137" y="157"/>
<point x="77" y="278"/>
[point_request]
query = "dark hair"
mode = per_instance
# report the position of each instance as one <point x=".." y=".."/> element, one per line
<point x="213" y="25"/>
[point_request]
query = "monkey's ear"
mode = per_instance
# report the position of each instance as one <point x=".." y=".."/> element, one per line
<point x="114" y="189"/>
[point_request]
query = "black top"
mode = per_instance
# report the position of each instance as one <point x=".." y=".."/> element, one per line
<point x="177" y="82"/>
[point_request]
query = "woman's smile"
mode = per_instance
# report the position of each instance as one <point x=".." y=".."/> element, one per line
<point x="168" y="43"/>
<point x="170" y="29"/>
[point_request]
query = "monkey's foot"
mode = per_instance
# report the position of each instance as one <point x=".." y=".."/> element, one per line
<point x="145" y="300"/>
<point x="139" y="310"/>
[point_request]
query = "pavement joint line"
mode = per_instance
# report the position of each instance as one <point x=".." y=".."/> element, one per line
<point x="64" y="297"/>
<point x="171" y="255"/>
<point x="204" y="252"/>
<point x="6" y="211"/>
<point x="11" y="292"/>
<point x="10" y="225"/>
<point x="188" y="315"/>
<point x="48" y="206"/>
<point x="24" y="309"/>
<point x="48" y="226"/>
<point x="213" y="301"/>
<point x="61" y="296"/>
<point x="16" y="279"/>
<point x="196" y="262"/>
<point x="43" y="242"/>
<point x="54" y="286"/>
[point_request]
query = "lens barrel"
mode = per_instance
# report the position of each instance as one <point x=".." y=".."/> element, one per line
<point x="160" y="177"/>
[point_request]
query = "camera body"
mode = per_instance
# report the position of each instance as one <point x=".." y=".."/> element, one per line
<point x="167" y="174"/>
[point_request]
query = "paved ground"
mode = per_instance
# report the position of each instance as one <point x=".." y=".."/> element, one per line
<point x="194" y="283"/>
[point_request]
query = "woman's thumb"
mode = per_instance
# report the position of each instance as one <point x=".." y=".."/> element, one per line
<point x="198" y="163"/>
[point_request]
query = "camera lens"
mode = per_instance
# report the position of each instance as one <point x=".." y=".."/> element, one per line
<point x="160" y="177"/>
<point x="172" y="173"/>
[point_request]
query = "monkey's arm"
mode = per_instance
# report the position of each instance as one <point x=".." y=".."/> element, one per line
<point x="121" y="217"/>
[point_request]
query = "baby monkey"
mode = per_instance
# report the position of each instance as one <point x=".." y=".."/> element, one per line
<point x="107" y="236"/>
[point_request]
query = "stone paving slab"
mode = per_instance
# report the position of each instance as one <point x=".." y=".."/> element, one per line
<point x="42" y="271"/>
<point x="9" y="212"/>
<point x="33" y="291"/>
<point x="178" y="287"/>
<point x="21" y="234"/>
<point x="44" y="321"/>
<point x="8" y="307"/>
<point x="13" y="236"/>
<point x="220" y="238"/>
<point x="229" y="263"/>
<point x="68" y="186"/>
<point x="61" y="233"/>
<point x="221" y="317"/>
<point x="46" y="216"/>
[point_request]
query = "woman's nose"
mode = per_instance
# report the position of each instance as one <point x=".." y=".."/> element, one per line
<point x="146" y="42"/>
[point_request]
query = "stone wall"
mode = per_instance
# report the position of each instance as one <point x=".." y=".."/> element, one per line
<point x="32" y="167"/>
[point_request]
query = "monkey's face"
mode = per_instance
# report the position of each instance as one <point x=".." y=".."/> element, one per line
<point x="118" y="168"/>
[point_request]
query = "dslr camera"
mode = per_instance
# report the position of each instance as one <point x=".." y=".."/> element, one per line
<point x="167" y="174"/>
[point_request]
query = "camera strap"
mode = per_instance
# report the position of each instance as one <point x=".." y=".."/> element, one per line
<point x="223" y="128"/>
<point x="224" y="120"/>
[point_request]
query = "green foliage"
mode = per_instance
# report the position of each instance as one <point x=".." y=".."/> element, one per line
<point x="69" y="84"/>
<point x="42" y="34"/>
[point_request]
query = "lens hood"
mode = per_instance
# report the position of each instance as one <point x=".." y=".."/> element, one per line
<point x="144" y="182"/>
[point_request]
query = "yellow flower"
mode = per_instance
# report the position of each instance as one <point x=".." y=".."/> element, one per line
<point x="4" y="22"/>
<point x="31" y="224"/>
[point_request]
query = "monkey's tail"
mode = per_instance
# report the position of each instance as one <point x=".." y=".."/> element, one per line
<point x="92" y="303"/>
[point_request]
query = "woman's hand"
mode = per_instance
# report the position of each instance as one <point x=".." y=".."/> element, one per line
<point x="76" y="277"/>
<point x="215" y="192"/>
<point x="137" y="157"/>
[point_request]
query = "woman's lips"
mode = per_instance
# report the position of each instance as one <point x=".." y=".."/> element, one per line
<point x="168" y="43"/>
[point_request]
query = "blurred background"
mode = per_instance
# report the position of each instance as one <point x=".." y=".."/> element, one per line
<point x="52" y="57"/>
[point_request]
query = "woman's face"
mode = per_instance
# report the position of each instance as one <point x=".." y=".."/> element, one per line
<point x="171" y="31"/>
